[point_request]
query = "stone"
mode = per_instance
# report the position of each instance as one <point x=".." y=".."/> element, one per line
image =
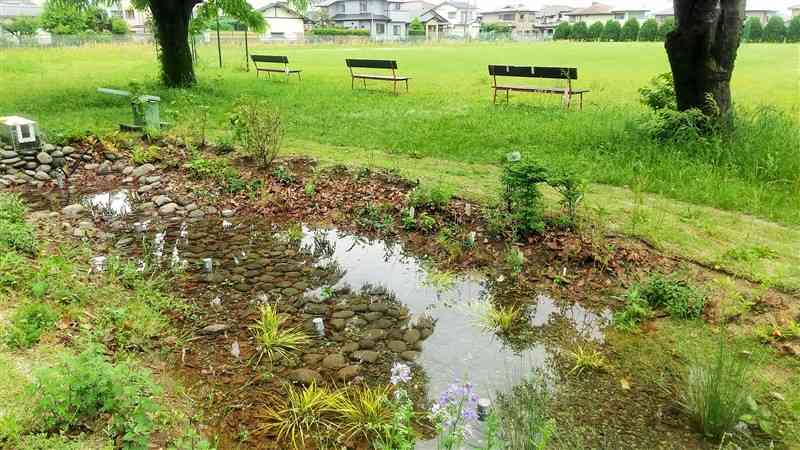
<point x="197" y="213"/>
<point x="124" y="242"/>
<point x="374" y="335"/>
<point x="366" y="344"/>
<point x="377" y="307"/>
<point x="151" y="180"/>
<point x="74" y="210"/>
<point x="397" y="346"/>
<point x="45" y="168"/>
<point x="111" y="156"/>
<point x="350" y="347"/>
<point x="338" y="324"/>
<point x="44" y="158"/>
<point x="214" y="329"/>
<point x="48" y="148"/>
<point x="334" y="361"/>
<point x="104" y="169"/>
<point x="10" y="161"/>
<point x="343" y="314"/>
<point x="381" y="324"/>
<point x="92" y="166"/>
<point x="58" y="162"/>
<point x="411" y="336"/>
<point x="305" y="377"/>
<point x="5" y="154"/>
<point x="227" y="213"/>
<point x="409" y="355"/>
<point x="127" y="171"/>
<point x="365" y="356"/>
<point x="161" y="200"/>
<point x="312" y="358"/>
<point x="167" y="209"/>
<point x="142" y="170"/>
<point x="67" y="150"/>
<point x="348" y="373"/>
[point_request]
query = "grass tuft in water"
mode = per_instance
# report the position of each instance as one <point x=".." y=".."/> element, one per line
<point x="586" y="358"/>
<point x="274" y="339"/>
<point x="715" y="391"/>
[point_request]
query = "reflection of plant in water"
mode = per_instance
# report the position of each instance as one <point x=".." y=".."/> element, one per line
<point x="585" y="357"/>
<point x="521" y="416"/>
<point x="441" y="280"/>
<point x="275" y="340"/>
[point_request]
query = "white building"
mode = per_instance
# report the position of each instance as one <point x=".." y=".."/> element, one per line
<point x="283" y="22"/>
<point x="451" y="19"/>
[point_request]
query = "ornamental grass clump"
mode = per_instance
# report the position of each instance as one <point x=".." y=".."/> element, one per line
<point x="274" y="339"/>
<point x="304" y="417"/>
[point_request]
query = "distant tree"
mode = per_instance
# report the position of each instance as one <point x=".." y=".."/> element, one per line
<point x="793" y="32"/>
<point x="580" y="32"/>
<point x="20" y="26"/>
<point x="648" y="31"/>
<point x="630" y="31"/>
<point x="666" y="27"/>
<point x="60" y="18"/>
<point x="753" y="30"/>
<point x="775" y="31"/>
<point x="562" y="31"/>
<point x="415" y="28"/>
<point x="611" y="31"/>
<point x="595" y="31"/>
<point x="119" y="26"/>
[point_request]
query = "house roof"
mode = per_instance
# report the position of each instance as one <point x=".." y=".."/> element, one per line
<point x="760" y="10"/>
<point x="797" y="6"/>
<point x="366" y="16"/>
<point x="595" y="8"/>
<point x="15" y="8"/>
<point x="665" y="12"/>
<point x="630" y="10"/>
<point x="283" y="5"/>
<point x="552" y="10"/>
<point x="511" y="8"/>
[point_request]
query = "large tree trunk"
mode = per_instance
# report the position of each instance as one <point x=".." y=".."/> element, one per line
<point x="702" y="50"/>
<point x="171" y="19"/>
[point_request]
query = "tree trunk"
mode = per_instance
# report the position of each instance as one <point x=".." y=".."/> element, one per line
<point x="702" y="50"/>
<point x="171" y="18"/>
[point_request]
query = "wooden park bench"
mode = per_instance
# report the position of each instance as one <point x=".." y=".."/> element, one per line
<point x="560" y="73"/>
<point x="270" y="59"/>
<point x="374" y="64"/>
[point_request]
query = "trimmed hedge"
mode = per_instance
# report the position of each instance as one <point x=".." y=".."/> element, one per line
<point x="339" y="32"/>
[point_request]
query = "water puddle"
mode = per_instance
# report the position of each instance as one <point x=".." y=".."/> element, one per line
<point x="116" y="204"/>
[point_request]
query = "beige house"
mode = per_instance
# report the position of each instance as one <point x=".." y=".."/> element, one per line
<point x="795" y="10"/>
<point x="663" y="15"/>
<point x="597" y="12"/>
<point x="623" y="15"/>
<point x="520" y="18"/>
<point x="283" y="22"/>
<point x="763" y="15"/>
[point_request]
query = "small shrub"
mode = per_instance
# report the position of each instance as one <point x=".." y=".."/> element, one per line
<point x="364" y="412"/>
<point x="515" y="260"/>
<point x="571" y="189"/>
<point x="119" y="26"/>
<point x="521" y="195"/>
<point x="435" y="197"/>
<point x="305" y="417"/>
<point x="635" y="312"/>
<point x="28" y="323"/>
<point x="499" y="223"/>
<point x="495" y="318"/>
<point x="375" y="218"/>
<point x="283" y="175"/>
<point x="218" y="169"/>
<point x="427" y="223"/>
<point x="15" y="233"/>
<point x="13" y="271"/>
<point x="585" y="358"/>
<point x="274" y="339"/>
<point x="679" y="298"/>
<point x="81" y="388"/>
<point x="716" y="390"/>
<point x="258" y="128"/>
<point x="148" y="154"/>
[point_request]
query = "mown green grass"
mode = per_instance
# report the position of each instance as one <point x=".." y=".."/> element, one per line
<point x="448" y="113"/>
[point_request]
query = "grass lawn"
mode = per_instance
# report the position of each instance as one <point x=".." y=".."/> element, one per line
<point x="448" y="114"/>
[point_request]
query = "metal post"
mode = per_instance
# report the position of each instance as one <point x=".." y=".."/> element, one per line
<point x="219" y="45"/>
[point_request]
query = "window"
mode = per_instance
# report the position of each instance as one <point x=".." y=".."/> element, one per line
<point x="451" y="15"/>
<point x="340" y="7"/>
<point x="129" y="14"/>
<point x="507" y="17"/>
<point x="278" y="35"/>
<point x="397" y="6"/>
<point x="396" y="30"/>
<point x="380" y="28"/>
<point x="463" y="17"/>
<point x="362" y="6"/>
<point x="619" y="16"/>
<point x="25" y="133"/>
<point x="522" y="17"/>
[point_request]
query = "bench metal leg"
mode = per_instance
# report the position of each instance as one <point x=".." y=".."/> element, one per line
<point x="406" y="85"/>
<point x="581" y="102"/>
<point x="395" y="87"/>
<point x="365" y="82"/>
<point x="299" y="78"/>
<point x="507" y="91"/>
<point x="352" y="83"/>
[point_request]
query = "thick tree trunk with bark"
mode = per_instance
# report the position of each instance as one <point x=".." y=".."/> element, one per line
<point x="171" y="19"/>
<point x="702" y="50"/>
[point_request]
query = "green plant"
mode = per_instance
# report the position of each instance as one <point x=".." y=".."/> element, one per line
<point x="521" y="195"/>
<point x="28" y="322"/>
<point x="715" y="390"/>
<point x="82" y="388"/>
<point x="434" y="197"/>
<point x="146" y="154"/>
<point x="310" y="189"/>
<point x="15" y="233"/>
<point x="427" y="223"/>
<point x="408" y="218"/>
<point x="294" y="232"/>
<point x="283" y="175"/>
<point x="364" y="413"/>
<point x="635" y="312"/>
<point x="660" y="94"/>
<point x="499" y="223"/>
<point x="515" y="259"/>
<point x="495" y="318"/>
<point x="119" y="26"/>
<point x="274" y="339"/>
<point x="586" y="357"/>
<point x="522" y="416"/>
<point x="13" y="271"/>
<point x="679" y="298"/>
<point x="375" y="218"/>
<point x="218" y="169"/>
<point x="306" y="416"/>
<point x="258" y="128"/>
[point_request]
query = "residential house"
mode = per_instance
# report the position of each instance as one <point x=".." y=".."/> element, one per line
<point x="283" y="22"/>
<point x="136" y="19"/>
<point x="597" y="12"/>
<point x="795" y="10"/>
<point x="622" y="15"/>
<point x="19" y="8"/>
<point x="451" y="19"/>
<point x="520" y="18"/>
<point x="763" y="15"/>
<point x="381" y="18"/>
<point x="548" y="18"/>
<point x="663" y="15"/>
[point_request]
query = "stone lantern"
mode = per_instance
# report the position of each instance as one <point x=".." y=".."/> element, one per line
<point x="19" y="132"/>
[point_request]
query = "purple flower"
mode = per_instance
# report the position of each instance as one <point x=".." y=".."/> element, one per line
<point x="401" y="373"/>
